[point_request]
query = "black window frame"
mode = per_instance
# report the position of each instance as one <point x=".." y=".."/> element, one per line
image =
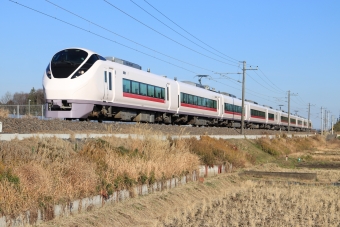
<point x="150" y="89"/>
<point x="198" y="101"/>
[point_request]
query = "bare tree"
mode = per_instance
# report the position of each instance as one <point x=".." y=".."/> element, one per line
<point x="40" y="97"/>
<point x="7" y="98"/>
<point x="20" y="98"/>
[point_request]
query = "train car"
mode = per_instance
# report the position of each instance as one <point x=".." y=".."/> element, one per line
<point x="284" y="121"/>
<point x="232" y="110"/>
<point x="81" y="84"/>
<point x="257" y="117"/>
<point x="198" y="106"/>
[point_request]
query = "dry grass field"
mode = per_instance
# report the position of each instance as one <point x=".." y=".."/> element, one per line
<point x="38" y="173"/>
<point x="225" y="200"/>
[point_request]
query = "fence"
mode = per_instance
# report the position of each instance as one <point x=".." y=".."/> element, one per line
<point x="18" y="111"/>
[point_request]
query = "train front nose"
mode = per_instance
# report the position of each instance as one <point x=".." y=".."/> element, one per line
<point x="60" y="84"/>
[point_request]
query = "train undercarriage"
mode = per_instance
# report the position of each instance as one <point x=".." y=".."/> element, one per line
<point x="111" y="113"/>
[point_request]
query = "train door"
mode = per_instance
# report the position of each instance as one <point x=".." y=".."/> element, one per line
<point x="245" y="113"/>
<point x="168" y="93"/>
<point x="218" y="106"/>
<point x="105" y="88"/>
<point x="110" y="83"/>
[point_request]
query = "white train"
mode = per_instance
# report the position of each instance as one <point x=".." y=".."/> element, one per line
<point x="80" y="84"/>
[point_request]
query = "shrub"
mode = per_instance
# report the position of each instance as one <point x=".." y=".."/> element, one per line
<point x="4" y="113"/>
<point x="217" y="151"/>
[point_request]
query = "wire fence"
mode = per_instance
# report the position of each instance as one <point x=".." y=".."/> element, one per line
<point x="19" y="111"/>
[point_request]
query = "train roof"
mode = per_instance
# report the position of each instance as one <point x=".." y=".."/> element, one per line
<point x="124" y="62"/>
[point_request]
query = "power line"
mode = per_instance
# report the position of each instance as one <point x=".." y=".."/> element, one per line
<point x="263" y="85"/>
<point x="188" y="32"/>
<point x="108" y="39"/>
<point x="266" y="82"/>
<point x="271" y="81"/>
<point x="254" y="93"/>
<point x="102" y="36"/>
<point x="130" y="40"/>
<point x="165" y="35"/>
<point x="178" y="32"/>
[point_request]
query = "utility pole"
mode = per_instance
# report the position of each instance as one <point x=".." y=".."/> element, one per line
<point x="289" y="108"/>
<point x="332" y="123"/>
<point x="309" y="105"/>
<point x="243" y="91"/>
<point x="325" y="121"/>
<point x="321" y="122"/>
<point x="329" y="118"/>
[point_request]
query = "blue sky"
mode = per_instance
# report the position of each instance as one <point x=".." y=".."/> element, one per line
<point x="295" y="44"/>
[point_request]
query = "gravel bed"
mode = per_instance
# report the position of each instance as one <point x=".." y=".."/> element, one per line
<point x="34" y="125"/>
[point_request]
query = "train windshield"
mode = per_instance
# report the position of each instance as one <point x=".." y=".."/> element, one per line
<point x="65" y="62"/>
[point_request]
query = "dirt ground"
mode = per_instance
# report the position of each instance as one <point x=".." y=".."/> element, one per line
<point x="226" y="200"/>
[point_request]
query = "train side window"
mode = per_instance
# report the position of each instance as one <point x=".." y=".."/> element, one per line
<point x="195" y="100"/>
<point x="190" y="99"/>
<point x="105" y="77"/>
<point x="199" y="101"/>
<point x="185" y="98"/>
<point x="204" y="102"/>
<point x="151" y="91"/>
<point x="158" y="91"/>
<point x="110" y="81"/>
<point x="134" y="87"/>
<point x="126" y="85"/>
<point x="143" y="89"/>
<point x="210" y="103"/>
<point x="214" y="104"/>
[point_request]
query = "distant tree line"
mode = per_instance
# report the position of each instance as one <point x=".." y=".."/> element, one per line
<point x="22" y="98"/>
<point x="337" y="126"/>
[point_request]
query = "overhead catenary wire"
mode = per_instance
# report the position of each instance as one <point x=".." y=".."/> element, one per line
<point x="108" y="39"/>
<point x="189" y="32"/>
<point x="178" y="32"/>
<point x="167" y="37"/>
<point x="254" y="93"/>
<point x="130" y="40"/>
<point x="271" y="86"/>
<point x="262" y="84"/>
<point x="270" y="80"/>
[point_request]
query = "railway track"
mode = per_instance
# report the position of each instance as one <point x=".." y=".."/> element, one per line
<point x="34" y="125"/>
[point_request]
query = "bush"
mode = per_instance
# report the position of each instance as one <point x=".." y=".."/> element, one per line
<point x="217" y="151"/>
<point x="4" y="113"/>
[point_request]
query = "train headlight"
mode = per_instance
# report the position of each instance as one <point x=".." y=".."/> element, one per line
<point x="48" y="72"/>
<point x="78" y="73"/>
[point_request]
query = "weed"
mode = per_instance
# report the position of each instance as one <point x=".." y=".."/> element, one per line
<point x="8" y="175"/>
<point x="4" y="113"/>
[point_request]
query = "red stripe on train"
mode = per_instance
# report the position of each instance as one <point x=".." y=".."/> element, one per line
<point x="230" y="112"/>
<point x="142" y="97"/>
<point x="198" y="107"/>
<point x="258" y="117"/>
